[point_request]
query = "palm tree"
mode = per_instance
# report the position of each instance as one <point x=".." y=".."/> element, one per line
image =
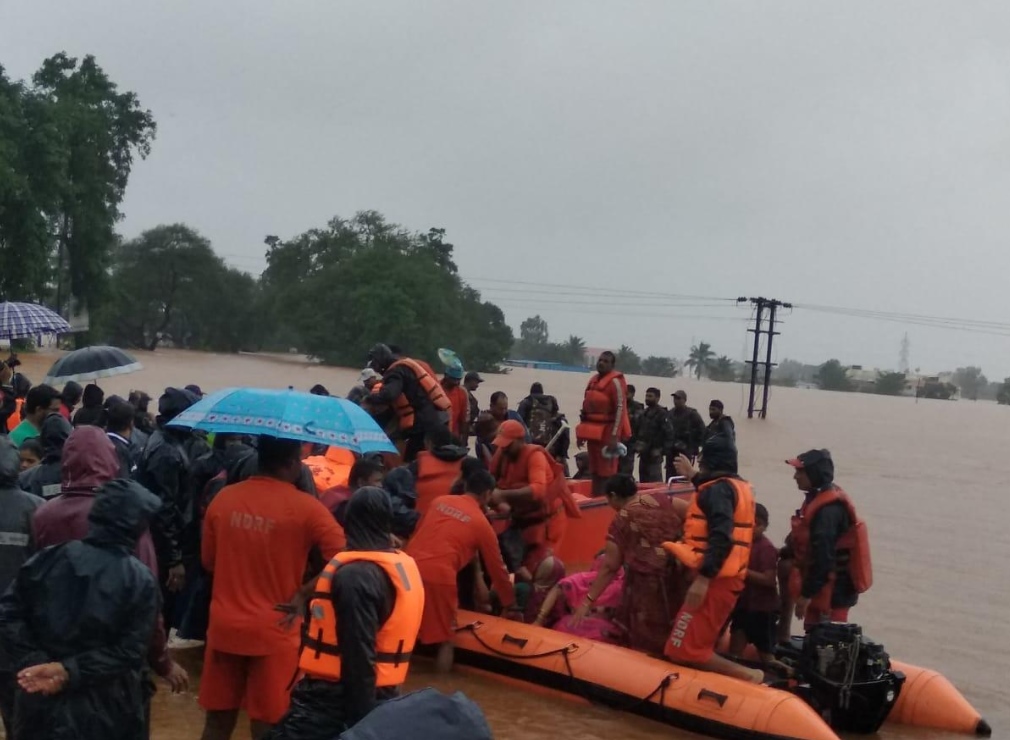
<point x="700" y="359"/>
<point x="575" y="350"/>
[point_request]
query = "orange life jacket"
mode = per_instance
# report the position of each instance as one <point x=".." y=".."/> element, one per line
<point x="434" y="478"/>
<point x="515" y="474"/>
<point x="852" y="548"/>
<point x="332" y="469"/>
<point x="394" y="643"/>
<point x="599" y="409"/>
<point x="429" y="384"/>
<point x="15" y="418"/>
<point x="691" y="551"/>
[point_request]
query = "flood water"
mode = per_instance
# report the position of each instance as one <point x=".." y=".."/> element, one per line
<point x="929" y="478"/>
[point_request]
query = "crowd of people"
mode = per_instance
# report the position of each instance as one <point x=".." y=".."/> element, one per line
<point x="313" y="574"/>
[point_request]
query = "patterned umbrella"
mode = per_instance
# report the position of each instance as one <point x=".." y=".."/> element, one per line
<point x="19" y="320"/>
<point x="91" y="363"/>
<point x="287" y="414"/>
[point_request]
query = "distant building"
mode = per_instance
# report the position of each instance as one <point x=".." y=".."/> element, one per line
<point x="864" y="380"/>
<point x="592" y="355"/>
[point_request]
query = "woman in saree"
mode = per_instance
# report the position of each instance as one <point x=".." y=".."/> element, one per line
<point x="653" y="588"/>
<point x="562" y="601"/>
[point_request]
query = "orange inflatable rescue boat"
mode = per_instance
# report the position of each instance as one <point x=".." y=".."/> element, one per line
<point x="576" y="668"/>
<point x="595" y="672"/>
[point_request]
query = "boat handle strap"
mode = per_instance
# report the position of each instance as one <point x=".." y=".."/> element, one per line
<point x="719" y="699"/>
<point x="520" y="641"/>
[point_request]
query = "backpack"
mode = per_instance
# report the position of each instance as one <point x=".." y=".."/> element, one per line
<point x="541" y="423"/>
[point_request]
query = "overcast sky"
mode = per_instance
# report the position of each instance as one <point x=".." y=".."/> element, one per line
<point x="838" y="154"/>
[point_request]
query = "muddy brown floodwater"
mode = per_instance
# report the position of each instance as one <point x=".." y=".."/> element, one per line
<point x="929" y="478"/>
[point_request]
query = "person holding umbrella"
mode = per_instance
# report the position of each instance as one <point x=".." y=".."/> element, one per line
<point x="257" y="535"/>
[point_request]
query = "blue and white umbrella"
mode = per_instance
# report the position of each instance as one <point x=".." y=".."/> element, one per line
<point x="287" y="414"/>
<point x="19" y="320"/>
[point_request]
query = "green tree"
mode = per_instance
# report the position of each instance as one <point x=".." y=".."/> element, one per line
<point x="1003" y="394"/>
<point x="971" y="381"/>
<point x="889" y="384"/>
<point x="30" y="177"/>
<point x="167" y="285"/>
<point x="99" y="130"/>
<point x="533" y="337"/>
<point x="628" y="360"/>
<point x="659" y="367"/>
<point x="336" y="291"/>
<point x="832" y="376"/>
<point x="700" y="359"/>
<point x="722" y="369"/>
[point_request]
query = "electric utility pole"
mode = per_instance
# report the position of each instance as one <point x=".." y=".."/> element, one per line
<point x="761" y="305"/>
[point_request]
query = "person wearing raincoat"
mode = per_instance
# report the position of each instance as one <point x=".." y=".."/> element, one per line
<point x="76" y="624"/>
<point x="16" y="545"/>
<point x="163" y="469"/>
<point x="90" y="464"/>
<point x="44" y="480"/>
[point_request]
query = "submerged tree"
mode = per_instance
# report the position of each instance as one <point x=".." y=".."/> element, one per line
<point x="628" y="360"/>
<point x="168" y="286"/>
<point x="889" y="384"/>
<point x="723" y="369"/>
<point x="340" y="289"/>
<point x="660" y="367"/>
<point x="832" y="376"/>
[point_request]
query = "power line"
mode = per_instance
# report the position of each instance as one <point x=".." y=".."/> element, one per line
<point x="597" y="289"/>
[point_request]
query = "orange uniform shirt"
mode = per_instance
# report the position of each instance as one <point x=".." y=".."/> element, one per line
<point x="531" y="469"/>
<point x="448" y="537"/>
<point x="459" y="414"/>
<point x="257" y="535"/>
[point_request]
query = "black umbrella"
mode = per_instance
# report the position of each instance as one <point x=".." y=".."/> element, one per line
<point x="91" y="363"/>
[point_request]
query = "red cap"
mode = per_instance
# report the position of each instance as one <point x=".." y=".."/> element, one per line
<point x="796" y="463"/>
<point x="509" y="432"/>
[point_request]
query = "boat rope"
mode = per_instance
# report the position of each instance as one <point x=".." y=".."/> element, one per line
<point x="562" y="651"/>
<point x="660" y="689"/>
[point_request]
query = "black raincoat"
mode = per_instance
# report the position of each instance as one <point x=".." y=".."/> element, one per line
<point x="90" y="605"/>
<point x="363" y="600"/>
<point x="162" y="469"/>
<point x="44" y="479"/>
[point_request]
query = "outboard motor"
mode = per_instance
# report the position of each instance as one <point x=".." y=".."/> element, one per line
<point x="845" y="676"/>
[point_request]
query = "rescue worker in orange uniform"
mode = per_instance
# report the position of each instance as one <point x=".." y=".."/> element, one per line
<point x="436" y="468"/>
<point x="360" y="630"/>
<point x="604" y="420"/>
<point x="459" y="399"/>
<point x="828" y="544"/>
<point x="533" y="486"/>
<point x="449" y="537"/>
<point x="409" y="387"/>
<point x="718" y="530"/>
